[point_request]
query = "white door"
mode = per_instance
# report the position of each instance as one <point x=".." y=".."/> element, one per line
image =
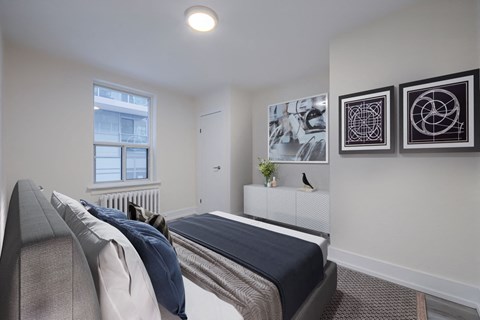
<point x="213" y="187"/>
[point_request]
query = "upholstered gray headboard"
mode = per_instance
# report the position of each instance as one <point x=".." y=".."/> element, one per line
<point x="43" y="271"/>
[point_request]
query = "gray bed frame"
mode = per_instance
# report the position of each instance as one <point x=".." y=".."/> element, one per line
<point x="313" y="307"/>
<point x="44" y="273"/>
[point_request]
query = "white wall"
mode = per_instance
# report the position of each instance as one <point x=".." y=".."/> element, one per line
<point x="3" y="195"/>
<point x="241" y="147"/>
<point x="48" y="127"/>
<point x="478" y="251"/>
<point x="418" y="212"/>
<point x="478" y="29"/>
<point x="288" y="174"/>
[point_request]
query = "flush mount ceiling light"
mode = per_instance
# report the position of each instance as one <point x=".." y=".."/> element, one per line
<point x="201" y="18"/>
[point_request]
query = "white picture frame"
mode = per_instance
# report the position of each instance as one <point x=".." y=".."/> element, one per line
<point x="298" y="130"/>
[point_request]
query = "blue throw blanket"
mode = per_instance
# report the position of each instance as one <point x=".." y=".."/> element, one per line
<point x="295" y="266"/>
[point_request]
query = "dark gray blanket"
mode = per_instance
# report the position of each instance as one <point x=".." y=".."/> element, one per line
<point x="295" y="266"/>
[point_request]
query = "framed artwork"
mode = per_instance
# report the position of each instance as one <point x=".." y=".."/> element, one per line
<point x="365" y="121"/>
<point x="440" y="114"/>
<point x="298" y="130"/>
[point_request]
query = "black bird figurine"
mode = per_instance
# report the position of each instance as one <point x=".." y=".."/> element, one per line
<point x="305" y="181"/>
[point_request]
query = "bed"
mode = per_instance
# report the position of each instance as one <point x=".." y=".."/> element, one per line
<point x="203" y="304"/>
<point x="127" y="290"/>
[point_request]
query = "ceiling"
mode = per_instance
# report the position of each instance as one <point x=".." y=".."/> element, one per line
<point x="258" y="43"/>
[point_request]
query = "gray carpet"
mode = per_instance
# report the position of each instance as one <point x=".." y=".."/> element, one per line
<point x="360" y="297"/>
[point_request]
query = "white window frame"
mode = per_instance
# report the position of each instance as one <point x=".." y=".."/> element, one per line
<point x="124" y="182"/>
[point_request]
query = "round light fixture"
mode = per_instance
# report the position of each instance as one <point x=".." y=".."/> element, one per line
<point x="201" y="18"/>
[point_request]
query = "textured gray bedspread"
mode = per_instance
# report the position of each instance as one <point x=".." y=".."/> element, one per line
<point x="253" y="296"/>
<point x="294" y="265"/>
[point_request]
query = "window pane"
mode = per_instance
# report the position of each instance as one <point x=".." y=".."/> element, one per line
<point x="107" y="127"/>
<point x="137" y="163"/>
<point x="108" y="164"/>
<point x="120" y="116"/>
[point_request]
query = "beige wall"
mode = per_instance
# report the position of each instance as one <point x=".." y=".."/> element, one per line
<point x="416" y="211"/>
<point x="288" y="174"/>
<point x="48" y="127"/>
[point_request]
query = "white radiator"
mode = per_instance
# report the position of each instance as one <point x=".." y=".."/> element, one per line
<point x="148" y="199"/>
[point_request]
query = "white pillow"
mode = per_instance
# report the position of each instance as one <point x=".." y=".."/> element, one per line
<point x="122" y="282"/>
<point x="60" y="202"/>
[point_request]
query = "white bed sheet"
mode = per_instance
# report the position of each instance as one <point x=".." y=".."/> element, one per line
<point x="201" y="304"/>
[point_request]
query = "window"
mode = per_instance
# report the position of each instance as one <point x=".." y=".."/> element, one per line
<point x="121" y="135"/>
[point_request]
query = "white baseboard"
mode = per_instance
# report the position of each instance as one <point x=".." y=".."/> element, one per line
<point x="444" y="288"/>
<point x="174" y="214"/>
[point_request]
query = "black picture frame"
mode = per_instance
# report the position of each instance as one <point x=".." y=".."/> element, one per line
<point x="366" y="121"/>
<point x="441" y="114"/>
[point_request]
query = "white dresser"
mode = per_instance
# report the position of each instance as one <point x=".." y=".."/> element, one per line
<point x="293" y="206"/>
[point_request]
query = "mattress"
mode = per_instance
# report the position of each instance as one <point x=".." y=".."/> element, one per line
<point x="202" y="304"/>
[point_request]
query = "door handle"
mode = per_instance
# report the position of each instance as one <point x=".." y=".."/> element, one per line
<point x="217" y="168"/>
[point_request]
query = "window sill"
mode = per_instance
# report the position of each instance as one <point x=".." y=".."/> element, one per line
<point x="100" y="188"/>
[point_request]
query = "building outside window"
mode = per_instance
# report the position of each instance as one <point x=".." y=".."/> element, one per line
<point x="121" y="135"/>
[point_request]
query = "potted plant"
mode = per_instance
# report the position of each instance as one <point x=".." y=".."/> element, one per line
<point x="267" y="168"/>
